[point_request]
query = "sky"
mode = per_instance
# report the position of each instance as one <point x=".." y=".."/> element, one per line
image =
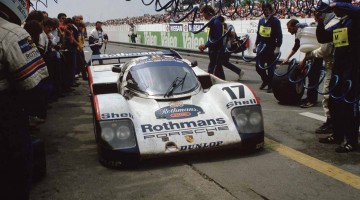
<point x="94" y="10"/>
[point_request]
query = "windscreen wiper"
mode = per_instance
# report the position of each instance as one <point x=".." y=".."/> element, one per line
<point x="174" y="85"/>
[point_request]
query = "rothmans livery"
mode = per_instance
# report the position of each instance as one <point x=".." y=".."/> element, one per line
<point x="158" y="104"/>
<point x="25" y="67"/>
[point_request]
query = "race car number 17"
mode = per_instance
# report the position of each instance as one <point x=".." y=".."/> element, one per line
<point x="232" y="94"/>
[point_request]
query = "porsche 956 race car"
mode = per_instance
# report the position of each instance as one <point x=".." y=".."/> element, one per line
<point x="159" y="104"/>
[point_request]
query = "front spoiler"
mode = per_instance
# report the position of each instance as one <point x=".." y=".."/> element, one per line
<point x="121" y="157"/>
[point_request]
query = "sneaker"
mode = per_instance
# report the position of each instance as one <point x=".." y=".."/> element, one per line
<point x="307" y="104"/>
<point x="241" y="75"/>
<point x="345" y="148"/>
<point x="326" y="128"/>
<point x="330" y="140"/>
<point x="263" y="85"/>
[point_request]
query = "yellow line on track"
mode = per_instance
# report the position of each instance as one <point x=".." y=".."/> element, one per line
<point x="313" y="163"/>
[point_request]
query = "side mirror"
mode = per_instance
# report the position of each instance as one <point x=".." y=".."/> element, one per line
<point x="116" y="69"/>
<point x="194" y="64"/>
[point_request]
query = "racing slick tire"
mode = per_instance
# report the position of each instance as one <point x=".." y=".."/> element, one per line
<point x="39" y="167"/>
<point x="285" y="91"/>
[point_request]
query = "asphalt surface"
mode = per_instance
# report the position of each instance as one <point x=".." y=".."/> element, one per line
<point x="293" y="165"/>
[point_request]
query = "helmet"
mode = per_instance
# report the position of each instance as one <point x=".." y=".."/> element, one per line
<point x="18" y="7"/>
<point x="323" y="6"/>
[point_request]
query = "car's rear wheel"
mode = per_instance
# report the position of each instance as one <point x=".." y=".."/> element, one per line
<point x="285" y="91"/>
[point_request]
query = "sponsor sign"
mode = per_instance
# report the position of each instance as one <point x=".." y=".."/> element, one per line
<point x="176" y="27"/>
<point x="201" y="146"/>
<point x="241" y="103"/>
<point x="116" y="115"/>
<point x="179" y="111"/>
<point x="195" y="26"/>
<point x="168" y="129"/>
<point x="185" y="40"/>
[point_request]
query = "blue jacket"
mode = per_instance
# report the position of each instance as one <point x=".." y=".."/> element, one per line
<point x="215" y="33"/>
<point x="276" y="36"/>
<point x="346" y="61"/>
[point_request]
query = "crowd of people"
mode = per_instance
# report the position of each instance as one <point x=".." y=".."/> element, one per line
<point x="42" y="59"/>
<point x="284" y="10"/>
<point x="339" y="38"/>
<point x="60" y="42"/>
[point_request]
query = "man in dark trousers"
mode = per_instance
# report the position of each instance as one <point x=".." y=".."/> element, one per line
<point x="269" y="33"/>
<point x="295" y="28"/>
<point x="132" y="33"/>
<point x="344" y="105"/>
<point x="214" y="43"/>
<point x="227" y="45"/>
<point x="21" y="70"/>
<point x="96" y="39"/>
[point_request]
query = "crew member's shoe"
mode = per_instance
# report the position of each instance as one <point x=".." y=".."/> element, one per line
<point x="263" y="85"/>
<point x="330" y="140"/>
<point x="345" y="148"/>
<point x="326" y="128"/>
<point x="308" y="104"/>
<point x="241" y="74"/>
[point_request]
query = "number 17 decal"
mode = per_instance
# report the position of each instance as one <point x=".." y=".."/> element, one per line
<point x="233" y="94"/>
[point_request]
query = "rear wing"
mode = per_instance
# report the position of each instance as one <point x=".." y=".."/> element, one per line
<point x="124" y="55"/>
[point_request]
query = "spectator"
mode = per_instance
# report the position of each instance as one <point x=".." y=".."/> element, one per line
<point x="96" y="39"/>
<point x="132" y="33"/>
<point x="71" y="44"/>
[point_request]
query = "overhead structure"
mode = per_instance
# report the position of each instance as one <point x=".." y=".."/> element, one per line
<point x="34" y="3"/>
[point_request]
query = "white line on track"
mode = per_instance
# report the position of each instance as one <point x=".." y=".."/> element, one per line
<point x="314" y="116"/>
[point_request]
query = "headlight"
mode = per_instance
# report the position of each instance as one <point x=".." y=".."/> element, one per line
<point x="107" y="134"/>
<point x="241" y="119"/>
<point x="255" y="118"/>
<point x="248" y="119"/>
<point x="119" y="134"/>
<point x="123" y="133"/>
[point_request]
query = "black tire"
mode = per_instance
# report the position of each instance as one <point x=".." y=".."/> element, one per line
<point x="285" y="91"/>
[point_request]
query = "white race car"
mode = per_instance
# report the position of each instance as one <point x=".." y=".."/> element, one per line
<point x="158" y="104"/>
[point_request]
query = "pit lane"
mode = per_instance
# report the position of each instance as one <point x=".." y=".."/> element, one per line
<point x="293" y="165"/>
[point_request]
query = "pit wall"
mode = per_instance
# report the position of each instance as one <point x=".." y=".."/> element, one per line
<point x="178" y="35"/>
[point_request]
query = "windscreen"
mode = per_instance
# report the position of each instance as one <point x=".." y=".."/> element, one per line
<point x="160" y="77"/>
